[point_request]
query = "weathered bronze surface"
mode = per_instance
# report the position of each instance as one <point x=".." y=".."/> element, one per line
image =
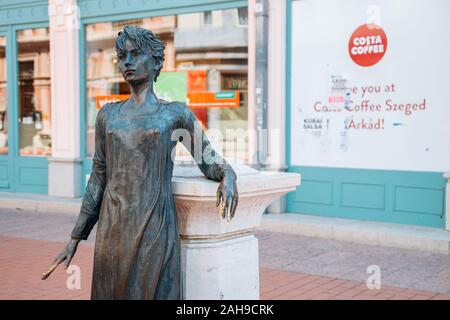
<point x="129" y="193"/>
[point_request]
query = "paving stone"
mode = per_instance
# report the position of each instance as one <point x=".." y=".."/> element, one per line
<point x="29" y="241"/>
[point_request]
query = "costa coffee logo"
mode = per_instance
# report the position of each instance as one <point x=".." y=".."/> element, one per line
<point x="367" y="45"/>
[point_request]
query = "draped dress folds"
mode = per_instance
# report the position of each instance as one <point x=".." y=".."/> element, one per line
<point x="129" y="193"/>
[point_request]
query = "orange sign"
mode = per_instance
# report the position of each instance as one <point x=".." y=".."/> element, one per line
<point x="102" y="100"/>
<point x="196" y="80"/>
<point x="228" y="99"/>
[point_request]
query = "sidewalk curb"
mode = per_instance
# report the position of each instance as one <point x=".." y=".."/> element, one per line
<point x="356" y="231"/>
<point x="40" y="203"/>
<point x="363" y="232"/>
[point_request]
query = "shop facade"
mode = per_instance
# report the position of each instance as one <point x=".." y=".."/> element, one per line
<point x="61" y="55"/>
<point x="360" y="157"/>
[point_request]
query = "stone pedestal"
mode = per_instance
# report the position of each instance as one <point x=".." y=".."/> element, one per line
<point x="447" y="201"/>
<point x="220" y="258"/>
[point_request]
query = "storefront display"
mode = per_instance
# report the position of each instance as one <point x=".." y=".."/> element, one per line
<point x="192" y="71"/>
<point x="34" y="92"/>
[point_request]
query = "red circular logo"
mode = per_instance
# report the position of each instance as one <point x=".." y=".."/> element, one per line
<point x="367" y="45"/>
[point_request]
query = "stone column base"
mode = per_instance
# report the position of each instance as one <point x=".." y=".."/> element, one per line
<point x="64" y="177"/>
<point x="279" y="205"/>
<point x="220" y="269"/>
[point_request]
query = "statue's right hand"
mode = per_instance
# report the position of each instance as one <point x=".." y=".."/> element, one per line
<point x="66" y="255"/>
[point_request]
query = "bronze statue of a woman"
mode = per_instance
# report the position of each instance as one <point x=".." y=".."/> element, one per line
<point x="129" y="193"/>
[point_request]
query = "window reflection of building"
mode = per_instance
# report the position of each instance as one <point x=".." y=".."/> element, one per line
<point x="34" y="92"/>
<point x="3" y="98"/>
<point x="103" y="77"/>
<point x="220" y="48"/>
<point x="214" y="54"/>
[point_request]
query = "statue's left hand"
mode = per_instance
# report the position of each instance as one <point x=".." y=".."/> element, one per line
<point x="227" y="193"/>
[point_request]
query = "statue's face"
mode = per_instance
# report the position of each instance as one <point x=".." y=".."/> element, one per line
<point x="134" y="65"/>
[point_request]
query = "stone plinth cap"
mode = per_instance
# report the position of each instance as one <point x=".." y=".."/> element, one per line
<point x="195" y="198"/>
<point x="189" y="180"/>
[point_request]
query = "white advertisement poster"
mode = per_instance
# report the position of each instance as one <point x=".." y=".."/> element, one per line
<point x="370" y="84"/>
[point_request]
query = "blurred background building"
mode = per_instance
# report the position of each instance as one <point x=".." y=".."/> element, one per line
<point x="283" y="77"/>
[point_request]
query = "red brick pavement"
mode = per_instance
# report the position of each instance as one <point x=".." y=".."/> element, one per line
<point x="23" y="260"/>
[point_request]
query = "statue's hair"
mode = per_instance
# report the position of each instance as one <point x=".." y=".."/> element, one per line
<point x="145" y="41"/>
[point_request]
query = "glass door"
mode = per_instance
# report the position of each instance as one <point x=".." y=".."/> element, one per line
<point x="32" y="110"/>
<point x="34" y="92"/>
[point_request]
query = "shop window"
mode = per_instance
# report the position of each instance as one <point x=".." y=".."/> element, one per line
<point x="34" y="92"/>
<point x="207" y="72"/>
<point x="3" y="99"/>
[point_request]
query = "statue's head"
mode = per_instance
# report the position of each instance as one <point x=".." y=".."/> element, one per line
<point x="140" y="53"/>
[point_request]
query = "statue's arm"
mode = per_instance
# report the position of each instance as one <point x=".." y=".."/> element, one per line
<point x="211" y="164"/>
<point x="92" y="200"/>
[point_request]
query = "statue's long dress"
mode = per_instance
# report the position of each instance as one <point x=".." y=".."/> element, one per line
<point x="129" y="193"/>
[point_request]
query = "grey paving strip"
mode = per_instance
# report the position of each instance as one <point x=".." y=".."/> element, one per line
<point x="39" y="225"/>
<point x="405" y="268"/>
<point x="418" y="270"/>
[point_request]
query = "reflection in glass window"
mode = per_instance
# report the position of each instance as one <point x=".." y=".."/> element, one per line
<point x="207" y="17"/>
<point x="243" y="16"/>
<point x="205" y="67"/>
<point x="34" y="92"/>
<point x="3" y="99"/>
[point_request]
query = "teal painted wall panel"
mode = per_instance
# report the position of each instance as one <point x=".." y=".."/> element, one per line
<point x="4" y="174"/>
<point x="33" y="176"/>
<point x="23" y="11"/>
<point x="359" y="195"/>
<point x="315" y="191"/>
<point x="390" y="196"/>
<point x="419" y="200"/>
<point x="131" y="9"/>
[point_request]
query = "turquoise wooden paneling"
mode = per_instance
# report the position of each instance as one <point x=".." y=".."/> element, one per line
<point x="23" y="11"/>
<point x="363" y="195"/>
<point x="32" y="176"/>
<point x="403" y="197"/>
<point x="316" y="192"/>
<point x="419" y="200"/>
<point x="96" y="10"/>
<point x="4" y="175"/>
